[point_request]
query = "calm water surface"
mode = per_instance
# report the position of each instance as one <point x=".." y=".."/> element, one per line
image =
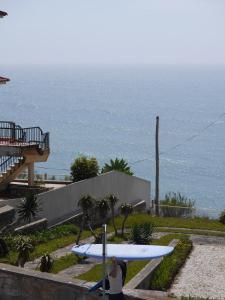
<point x="110" y="112"/>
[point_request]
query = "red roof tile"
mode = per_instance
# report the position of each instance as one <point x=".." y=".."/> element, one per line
<point x="3" y="14"/>
<point x="3" y="80"/>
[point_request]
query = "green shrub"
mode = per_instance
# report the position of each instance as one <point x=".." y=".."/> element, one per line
<point x="176" y="205"/>
<point x="164" y="275"/>
<point x="142" y="233"/>
<point x="84" y="167"/>
<point x="24" y="247"/>
<point x="222" y="217"/>
<point x="43" y="236"/>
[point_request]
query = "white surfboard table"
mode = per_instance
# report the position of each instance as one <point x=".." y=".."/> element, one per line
<point x="123" y="251"/>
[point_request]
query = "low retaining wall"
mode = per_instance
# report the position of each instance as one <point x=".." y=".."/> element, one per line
<point x="21" y="284"/>
<point x="61" y="203"/>
<point x="7" y="214"/>
<point x="32" y="227"/>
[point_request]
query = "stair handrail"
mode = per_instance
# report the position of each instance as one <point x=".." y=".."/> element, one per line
<point x="8" y="162"/>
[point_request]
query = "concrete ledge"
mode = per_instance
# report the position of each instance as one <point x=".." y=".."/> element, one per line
<point x="7" y="214"/>
<point x="32" y="227"/>
<point x="142" y="279"/>
<point x="22" y="284"/>
<point x="140" y="206"/>
<point x="145" y="295"/>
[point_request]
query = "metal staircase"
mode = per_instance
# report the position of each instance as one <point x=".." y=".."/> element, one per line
<point x="20" y="148"/>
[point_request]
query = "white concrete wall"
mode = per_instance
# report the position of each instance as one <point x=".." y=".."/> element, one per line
<point x="61" y="203"/>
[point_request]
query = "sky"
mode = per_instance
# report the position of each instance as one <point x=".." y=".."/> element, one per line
<point x="112" y="32"/>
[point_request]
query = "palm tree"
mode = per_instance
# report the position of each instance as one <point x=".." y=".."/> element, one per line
<point x="103" y="209"/>
<point x="24" y="247"/>
<point x="126" y="210"/>
<point x="28" y="208"/>
<point x="113" y="200"/>
<point x="118" y="165"/>
<point x="86" y="203"/>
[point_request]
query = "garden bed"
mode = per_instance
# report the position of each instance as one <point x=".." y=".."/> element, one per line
<point x="134" y="267"/>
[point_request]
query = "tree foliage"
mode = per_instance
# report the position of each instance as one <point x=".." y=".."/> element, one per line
<point x="84" y="168"/>
<point x="222" y="217"/>
<point x="118" y="165"/>
<point x="103" y="209"/>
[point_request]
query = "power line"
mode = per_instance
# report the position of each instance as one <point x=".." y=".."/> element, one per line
<point x="192" y="137"/>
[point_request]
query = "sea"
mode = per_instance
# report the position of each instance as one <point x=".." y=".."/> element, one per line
<point x="109" y="111"/>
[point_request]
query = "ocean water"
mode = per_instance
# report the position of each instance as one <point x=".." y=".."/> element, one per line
<point x="110" y="111"/>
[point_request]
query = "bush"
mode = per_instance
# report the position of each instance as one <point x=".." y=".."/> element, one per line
<point x="42" y="236"/>
<point x="23" y="247"/>
<point x="222" y="217"/>
<point x="84" y="167"/>
<point x="142" y="233"/>
<point x="176" y="205"/>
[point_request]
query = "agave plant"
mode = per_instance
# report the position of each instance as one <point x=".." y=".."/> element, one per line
<point x="118" y="165"/>
<point x="46" y="263"/>
<point x="126" y="210"/>
<point x="28" y="208"/>
<point x="142" y="233"/>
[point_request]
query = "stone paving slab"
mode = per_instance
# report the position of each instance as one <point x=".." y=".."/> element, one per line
<point x="80" y="268"/>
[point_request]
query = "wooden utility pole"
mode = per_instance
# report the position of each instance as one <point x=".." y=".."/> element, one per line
<point x="157" y="167"/>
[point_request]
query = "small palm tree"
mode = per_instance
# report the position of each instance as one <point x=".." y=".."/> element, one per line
<point x="119" y="165"/>
<point x="113" y="200"/>
<point x="23" y="247"/>
<point x="28" y="208"/>
<point x="86" y="203"/>
<point x="103" y="209"/>
<point x="126" y="210"/>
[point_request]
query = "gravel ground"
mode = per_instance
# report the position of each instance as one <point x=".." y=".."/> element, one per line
<point x="203" y="274"/>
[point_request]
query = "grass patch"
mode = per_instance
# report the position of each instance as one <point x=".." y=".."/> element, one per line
<point x="64" y="263"/>
<point x="193" y="223"/>
<point x="191" y="231"/>
<point x="164" y="275"/>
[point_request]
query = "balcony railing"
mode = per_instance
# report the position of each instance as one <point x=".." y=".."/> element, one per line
<point x="14" y="135"/>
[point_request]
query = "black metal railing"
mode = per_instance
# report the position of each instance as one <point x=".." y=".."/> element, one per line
<point x="7" y="162"/>
<point x="10" y="133"/>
